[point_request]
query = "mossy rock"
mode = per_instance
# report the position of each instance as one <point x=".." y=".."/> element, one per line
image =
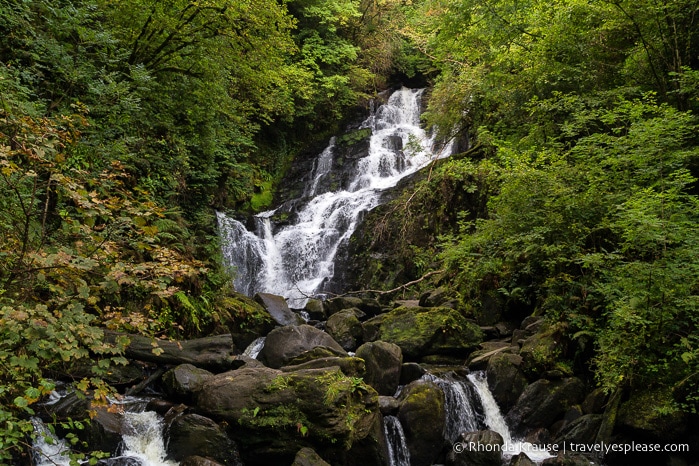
<point x="272" y="413"/>
<point x="421" y="331"/>
<point x="245" y="318"/>
<point x="542" y="351"/>
<point x="422" y="415"/>
<point x="653" y="414"/>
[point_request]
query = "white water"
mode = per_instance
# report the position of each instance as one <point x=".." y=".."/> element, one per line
<point x="398" y="454"/>
<point x="463" y="412"/>
<point x="496" y="422"/>
<point x="255" y="347"/>
<point x="144" y="443"/>
<point x="296" y="260"/>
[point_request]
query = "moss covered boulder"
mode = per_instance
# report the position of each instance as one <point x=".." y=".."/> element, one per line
<point x="422" y="415"/>
<point x="383" y="365"/>
<point x="422" y="331"/>
<point x="272" y="414"/>
<point x="286" y="343"/>
<point x="345" y="328"/>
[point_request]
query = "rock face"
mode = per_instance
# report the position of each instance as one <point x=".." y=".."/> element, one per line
<point x="421" y="331"/>
<point x="285" y="343"/>
<point x="505" y="379"/>
<point x="272" y="413"/>
<point x="345" y="328"/>
<point x="278" y="309"/>
<point x="308" y="457"/>
<point x="195" y="435"/>
<point x="480" y="448"/>
<point x="544" y="401"/>
<point x="422" y="416"/>
<point x="383" y="365"/>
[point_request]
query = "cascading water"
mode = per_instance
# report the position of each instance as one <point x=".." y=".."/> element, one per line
<point x="143" y="443"/>
<point x="398" y="454"/>
<point x="296" y="260"/>
<point x="496" y="422"/>
<point x="464" y="412"/>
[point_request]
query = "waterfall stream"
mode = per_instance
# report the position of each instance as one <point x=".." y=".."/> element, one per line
<point x="297" y="260"/>
<point x="143" y="443"/>
<point x="398" y="454"/>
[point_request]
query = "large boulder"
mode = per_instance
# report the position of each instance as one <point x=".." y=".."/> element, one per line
<point x="652" y="414"/>
<point x="183" y="380"/>
<point x="480" y="448"/>
<point x="422" y="416"/>
<point x="383" y="365"/>
<point x="246" y="319"/>
<point x="521" y="460"/>
<point x="273" y="413"/>
<point x="335" y="305"/>
<point x="545" y="401"/>
<point x="541" y="351"/>
<point x="345" y="328"/>
<point x="506" y="379"/>
<point x="423" y="331"/>
<point x="278" y="309"/>
<point x="582" y="430"/>
<point x="195" y="435"/>
<point x="285" y="343"/>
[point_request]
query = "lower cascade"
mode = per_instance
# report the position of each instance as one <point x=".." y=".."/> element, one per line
<point x="143" y="442"/>
<point x="298" y="259"/>
<point x="398" y="454"/>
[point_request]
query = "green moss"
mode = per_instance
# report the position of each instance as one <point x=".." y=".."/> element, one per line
<point x="354" y="137"/>
<point x="262" y="199"/>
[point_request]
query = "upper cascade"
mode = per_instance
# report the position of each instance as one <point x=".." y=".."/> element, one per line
<point x="297" y="259"/>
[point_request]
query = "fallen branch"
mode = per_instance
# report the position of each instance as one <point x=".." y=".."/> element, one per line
<point x="398" y="288"/>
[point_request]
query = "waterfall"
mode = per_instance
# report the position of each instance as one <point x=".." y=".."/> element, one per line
<point x="143" y="443"/>
<point x="496" y="422"/>
<point x="255" y="347"/>
<point x="398" y="453"/>
<point x="464" y="412"/>
<point x="296" y="260"/>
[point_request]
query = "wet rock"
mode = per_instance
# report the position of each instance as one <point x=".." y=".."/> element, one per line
<point x="195" y="435"/>
<point x="422" y="416"/>
<point x="278" y="309"/>
<point x="388" y="405"/>
<point x="423" y="331"/>
<point x="308" y="457"/>
<point x="383" y="365"/>
<point x="247" y="321"/>
<point x="199" y="461"/>
<point x="285" y="343"/>
<point x="506" y="379"/>
<point x="480" y="448"/>
<point x="411" y="371"/>
<point x="545" y="401"/>
<point x="345" y="328"/>
<point x="184" y="380"/>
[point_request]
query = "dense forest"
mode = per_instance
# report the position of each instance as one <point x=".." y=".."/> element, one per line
<point x="124" y="126"/>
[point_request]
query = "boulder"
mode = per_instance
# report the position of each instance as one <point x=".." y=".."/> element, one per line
<point x="285" y="343"/>
<point x="480" y="448"/>
<point x="308" y="457"/>
<point x="541" y="351"/>
<point x="506" y="379"/>
<point x="581" y="430"/>
<point x="183" y="380"/>
<point x="410" y="372"/>
<point x="272" y="412"/>
<point x="440" y="297"/>
<point x="383" y="365"/>
<point x="652" y="414"/>
<point x="545" y="401"/>
<point x="345" y="328"/>
<point x="422" y="416"/>
<point x="594" y="402"/>
<point x="195" y="435"/>
<point x="521" y="460"/>
<point x="335" y="305"/>
<point x="423" y="331"/>
<point x="246" y="319"/>
<point x="278" y="309"/>
<point x="316" y="310"/>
